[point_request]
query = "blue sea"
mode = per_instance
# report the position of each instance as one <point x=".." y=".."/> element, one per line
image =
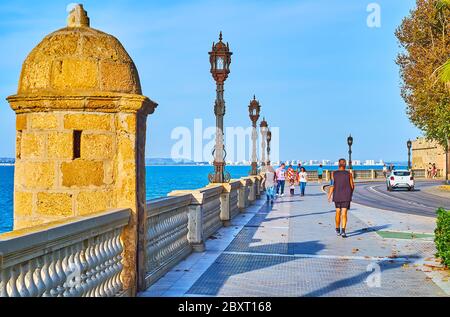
<point x="160" y="181"/>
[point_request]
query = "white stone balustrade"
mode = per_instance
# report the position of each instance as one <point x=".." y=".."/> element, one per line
<point x="166" y="241"/>
<point x="77" y="257"/>
<point x="211" y="209"/>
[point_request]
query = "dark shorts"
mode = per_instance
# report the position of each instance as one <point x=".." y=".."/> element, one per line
<point x="320" y="176"/>
<point x="342" y="204"/>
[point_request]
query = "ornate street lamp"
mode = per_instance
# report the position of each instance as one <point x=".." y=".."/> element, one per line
<point x="350" y="143"/>
<point x="220" y="59"/>
<point x="269" y="138"/>
<point x="253" y="110"/>
<point x="409" y="145"/>
<point x="263" y="128"/>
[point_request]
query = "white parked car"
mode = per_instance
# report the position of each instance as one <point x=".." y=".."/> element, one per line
<point x="400" y="179"/>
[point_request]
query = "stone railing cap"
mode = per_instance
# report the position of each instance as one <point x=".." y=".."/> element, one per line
<point x="26" y="239"/>
<point x="170" y="202"/>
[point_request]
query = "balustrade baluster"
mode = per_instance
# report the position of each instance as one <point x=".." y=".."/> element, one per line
<point x="13" y="272"/>
<point x="29" y="278"/>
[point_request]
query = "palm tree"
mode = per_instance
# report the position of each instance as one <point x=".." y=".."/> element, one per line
<point x="443" y="71"/>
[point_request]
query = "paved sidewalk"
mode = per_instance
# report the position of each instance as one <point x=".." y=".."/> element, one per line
<point x="291" y="249"/>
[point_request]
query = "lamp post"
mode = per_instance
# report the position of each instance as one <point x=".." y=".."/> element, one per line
<point x="409" y="145"/>
<point x="220" y="59"/>
<point x="263" y="128"/>
<point x="350" y="143"/>
<point x="269" y="138"/>
<point x="253" y="110"/>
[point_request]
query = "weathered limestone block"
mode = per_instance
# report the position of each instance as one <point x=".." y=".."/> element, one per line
<point x="87" y="121"/>
<point x="21" y="122"/>
<point x="126" y="123"/>
<point x="82" y="173"/>
<point x="97" y="146"/>
<point x="34" y="175"/>
<point x="43" y="121"/>
<point x="60" y="145"/>
<point x="54" y="204"/>
<point x="115" y="75"/>
<point x="126" y="147"/>
<point x="23" y="202"/>
<point x="33" y="145"/>
<point x="75" y="73"/>
<point x="32" y="80"/>
<point x="92" y="201"/>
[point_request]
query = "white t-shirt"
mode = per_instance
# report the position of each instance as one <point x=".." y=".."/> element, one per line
<point x="303" y="176"/>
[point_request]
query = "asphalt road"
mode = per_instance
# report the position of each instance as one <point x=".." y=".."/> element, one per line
<point x="415" y="202"/>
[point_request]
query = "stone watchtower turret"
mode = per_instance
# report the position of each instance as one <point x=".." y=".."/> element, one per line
<point x="80" y="121"/>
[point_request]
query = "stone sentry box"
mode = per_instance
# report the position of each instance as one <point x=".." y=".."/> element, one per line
<point x="80" y="132"/>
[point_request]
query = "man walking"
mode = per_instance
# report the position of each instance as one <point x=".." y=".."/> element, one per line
<point x="320" y="174"/>
<point x="341" y="191"/>
<point x="281" y="178"/>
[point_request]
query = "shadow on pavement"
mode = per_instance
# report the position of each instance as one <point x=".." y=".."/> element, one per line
<point x="367" y="230"/>
<point x="361" y="277"/>
<point x="228" y="265"/>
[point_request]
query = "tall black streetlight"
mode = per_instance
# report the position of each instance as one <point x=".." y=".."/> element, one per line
<point x="220" y="59"/>
<point x="350" y="143"/>
<point x="409" y="145"/>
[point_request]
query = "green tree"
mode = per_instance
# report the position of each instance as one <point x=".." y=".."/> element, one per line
<point x="424" y="36"/>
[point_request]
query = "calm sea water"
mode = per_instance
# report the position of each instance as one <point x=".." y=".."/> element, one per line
<point x="160" y="181"/>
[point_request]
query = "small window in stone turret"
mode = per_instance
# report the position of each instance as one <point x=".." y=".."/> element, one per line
<point x="19" y="145"/>
<point x="76" y="144"/>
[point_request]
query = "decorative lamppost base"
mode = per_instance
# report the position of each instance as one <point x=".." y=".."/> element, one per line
<point x="219" y="175"/>
<point x="254" y="170"/>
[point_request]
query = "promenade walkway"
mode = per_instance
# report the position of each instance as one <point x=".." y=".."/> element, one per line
<point x="291" y="249"/>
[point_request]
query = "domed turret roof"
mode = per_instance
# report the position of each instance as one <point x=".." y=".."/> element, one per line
<point x="79" y="60"/>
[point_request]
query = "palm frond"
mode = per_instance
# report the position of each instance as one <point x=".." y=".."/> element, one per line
<point x="441" y="4"/>
<point x="443" y="72"/>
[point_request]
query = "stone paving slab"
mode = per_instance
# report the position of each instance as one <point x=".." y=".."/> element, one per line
<point x="274" y="275"/>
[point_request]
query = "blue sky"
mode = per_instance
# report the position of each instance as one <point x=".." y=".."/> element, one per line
<point x="318" y="70"/>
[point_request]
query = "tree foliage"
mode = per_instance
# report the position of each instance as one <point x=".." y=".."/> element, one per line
<point x="424" y="36"/>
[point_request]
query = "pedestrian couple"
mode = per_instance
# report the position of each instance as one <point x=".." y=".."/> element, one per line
<point x="341" y="192"/>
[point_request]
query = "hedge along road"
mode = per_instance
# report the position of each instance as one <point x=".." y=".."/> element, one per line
<point x="415" y="202"/>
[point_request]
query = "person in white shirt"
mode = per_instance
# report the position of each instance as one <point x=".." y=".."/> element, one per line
<point x="303" y="179"/>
